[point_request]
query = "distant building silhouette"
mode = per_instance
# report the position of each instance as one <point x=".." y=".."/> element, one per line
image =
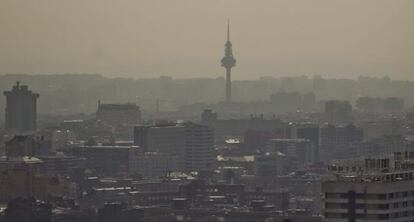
<point x="119" y="114"/>
<point x="338" y="112"/>
<point x="335" y="141"/>
<point x="380" y="105"/>
<point x="228" y="62"/>
<point x="237" y="128"/>
<point x="21" y="109"/>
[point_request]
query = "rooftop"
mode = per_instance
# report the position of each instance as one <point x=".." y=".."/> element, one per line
<point x="383" y="169"/>
<point x="20" y="159"/>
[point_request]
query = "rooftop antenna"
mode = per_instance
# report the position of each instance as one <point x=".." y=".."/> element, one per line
<point x="228" y="30"/>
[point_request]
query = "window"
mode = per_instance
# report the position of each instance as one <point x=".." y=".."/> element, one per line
<point x="360" y="206"/>
<point x="395" y="215"/>
<point x="405" y="204"/>
<point x="383" y="206"/>
<point x="405" y="194"/>
<point x="382" y="196"/>
<point x="383" y="216"/>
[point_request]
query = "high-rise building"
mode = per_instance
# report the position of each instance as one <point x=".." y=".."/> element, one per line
<point x="228" y="62"/>
<point x="192" y="144"/>
<point x="373" y="189"/>
<point x="162" y="138"/>
<point x="199" y="147"/>
<point x="21" y="110"/>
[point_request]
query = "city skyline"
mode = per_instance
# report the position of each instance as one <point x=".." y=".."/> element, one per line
<point x="131" y="111"/>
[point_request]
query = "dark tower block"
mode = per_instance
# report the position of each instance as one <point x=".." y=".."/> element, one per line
<point x="228" y="62"/>
<point x="21" y="110"/>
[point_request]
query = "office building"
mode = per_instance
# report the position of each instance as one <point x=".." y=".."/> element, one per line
<point x="199" y="147"/>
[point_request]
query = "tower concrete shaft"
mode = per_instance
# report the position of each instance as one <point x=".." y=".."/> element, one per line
<point x="228" y="85"/>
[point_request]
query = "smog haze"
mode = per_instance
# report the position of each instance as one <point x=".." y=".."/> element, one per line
<point x="185" y="38"/>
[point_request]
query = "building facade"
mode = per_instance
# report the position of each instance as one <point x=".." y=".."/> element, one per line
<point x="374" y="189"/>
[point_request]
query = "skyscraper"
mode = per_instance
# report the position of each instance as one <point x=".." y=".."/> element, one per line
<point x="21" y="110"/>
<point x="228" y="62"/>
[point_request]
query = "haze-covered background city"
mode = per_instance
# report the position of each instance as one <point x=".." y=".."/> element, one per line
<point x="184" y="38"/>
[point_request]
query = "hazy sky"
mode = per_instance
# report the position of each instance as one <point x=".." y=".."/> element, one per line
<point x="185" y="38"/>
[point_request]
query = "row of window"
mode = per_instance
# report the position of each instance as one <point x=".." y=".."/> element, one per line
<point x="401" y="194"/>
<point x="357" y="206"/>
<point x="395" y="205"/>
<point x="402" y="214"/>
<point x="369" y="196"/>
<point x="356" y="216"/>
<point x="356" y="196"/>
